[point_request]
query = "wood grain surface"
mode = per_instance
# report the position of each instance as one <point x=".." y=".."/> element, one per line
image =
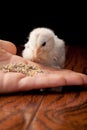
<point x="35" y="110"/>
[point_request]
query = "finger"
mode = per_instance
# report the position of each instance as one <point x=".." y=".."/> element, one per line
<point x="75" y="78"/>
<point x="7" y="58"/>
<point x="9" y="82"/>
<point x="13" y="82"/>
<point x="8" y="46"/>
<point x="51" y="80"/>
<point x="4" y="56"/>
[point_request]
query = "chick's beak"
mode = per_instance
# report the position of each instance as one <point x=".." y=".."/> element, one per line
<point x="36" y="52"/>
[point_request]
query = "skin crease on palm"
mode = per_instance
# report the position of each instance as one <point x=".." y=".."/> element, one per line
<point x="14" y="82"/>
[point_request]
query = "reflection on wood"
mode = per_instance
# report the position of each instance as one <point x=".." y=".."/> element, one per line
<point x="62" y="112"/>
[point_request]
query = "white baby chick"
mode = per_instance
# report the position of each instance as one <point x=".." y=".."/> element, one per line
<point x="45" y="47"/>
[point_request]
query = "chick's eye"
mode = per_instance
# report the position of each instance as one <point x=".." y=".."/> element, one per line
<point x="44" y="44"/>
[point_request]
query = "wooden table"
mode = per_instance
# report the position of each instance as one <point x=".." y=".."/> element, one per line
<point x="35" y="110"/>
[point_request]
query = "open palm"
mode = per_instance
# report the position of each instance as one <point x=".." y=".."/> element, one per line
<point x="13" y="81"/>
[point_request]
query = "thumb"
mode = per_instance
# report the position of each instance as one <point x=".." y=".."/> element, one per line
<point x="8" y="46"/>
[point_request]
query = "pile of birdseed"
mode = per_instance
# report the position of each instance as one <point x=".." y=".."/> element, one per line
<point x="28" y="70"/>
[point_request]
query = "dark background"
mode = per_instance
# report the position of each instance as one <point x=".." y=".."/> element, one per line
<point x="67" y="20"/>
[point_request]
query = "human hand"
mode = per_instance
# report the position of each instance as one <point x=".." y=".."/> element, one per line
<point x="13" y="81"/>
